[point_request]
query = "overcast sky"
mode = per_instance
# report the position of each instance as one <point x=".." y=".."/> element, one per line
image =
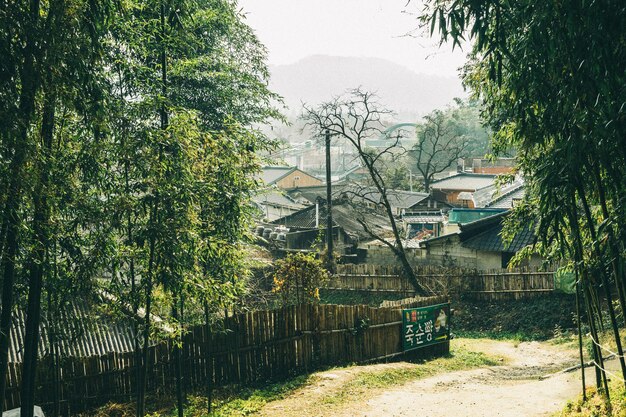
<point x="294" y="29"/>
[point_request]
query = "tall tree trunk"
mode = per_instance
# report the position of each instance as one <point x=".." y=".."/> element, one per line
<point x="30" y="85"/>
<point x="580" y="337"/>
<point x="615" y="263"/>
<point x="142" y="383"/>
<point x="154" y="220"/>
<point x="399" y="252"/>
<point x="180" y="403"/>
<point x="209" y="359"/>
<point x="53" y="339"/>
<point x="38" y="264"/>
<point x="585" y="286"/>
<point x="607" y="287"/>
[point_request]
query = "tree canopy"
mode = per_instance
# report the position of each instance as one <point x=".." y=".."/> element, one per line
<point x="552" y="78"/>
<point x="127" y="159"/>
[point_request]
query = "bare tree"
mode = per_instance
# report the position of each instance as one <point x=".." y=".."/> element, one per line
<point x="440" y="144"/>
<point x="355" y="117"/>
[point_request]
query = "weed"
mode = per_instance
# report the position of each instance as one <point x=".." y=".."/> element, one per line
<point x="596" y="404"/>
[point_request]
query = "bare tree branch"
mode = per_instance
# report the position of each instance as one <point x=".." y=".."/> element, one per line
<point x="357" y="116"/>
<point x="439" y="146"/>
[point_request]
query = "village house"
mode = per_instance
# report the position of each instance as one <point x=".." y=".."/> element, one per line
<point x="275" y="203"/>
<point x="304" y="228"/>
<point x="288" y="178"/>
<point x="457" y="189"/>
<point x="487" y="166"/>
<point x="402" y="202"/>
<point x="478" y="244"/>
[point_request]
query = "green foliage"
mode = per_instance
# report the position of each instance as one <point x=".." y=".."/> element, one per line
<point x="298" y="278"/>
<point x="596" y="404"/>
<point x="128" y="153"/>
<point x="551" y="77"/>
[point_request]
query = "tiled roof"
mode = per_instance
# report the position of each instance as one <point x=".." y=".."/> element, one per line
<point x="344" y="216"/>
<point x="485" y="197"/>
<point x="80" y="333"/>
<point x="276" y="198"/>
<point x="485" y="235"/>
<point x="311" y="194"/>
<point x="405" y="199"/>
<point x="436" y="217"/>
<point x="397" y="198"/>
<point x="506" y="200"/>
<point x="464" y="182"/>
<point x="303" y="219"/>
<point x="356" y="193"/>
<point x="406" y="243"/>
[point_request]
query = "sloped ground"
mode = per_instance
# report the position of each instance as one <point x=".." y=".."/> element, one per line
<point x="515" y="388"/>
<point x="537" y="318"/>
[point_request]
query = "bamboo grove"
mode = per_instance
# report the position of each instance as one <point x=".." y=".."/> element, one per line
<point x="127" y="153"/>
<point x="552" y="78"/>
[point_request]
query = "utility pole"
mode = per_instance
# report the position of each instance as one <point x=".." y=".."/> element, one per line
<point x="329" y="208"/>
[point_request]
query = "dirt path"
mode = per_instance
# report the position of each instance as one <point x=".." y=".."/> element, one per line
<point x="514" y="389"/>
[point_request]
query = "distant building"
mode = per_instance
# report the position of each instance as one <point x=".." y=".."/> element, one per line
<point x="479" y="245"/>
<point x="304" y="227"/>
<point x="423" y="225"/>
<point x="457" y="189"/>
<point x="288" y="178"/>
<point x="275" y="203"/>
<point x="401" y="202"/>
<point x="477" y="191"/>
<point x="487" y="166"/>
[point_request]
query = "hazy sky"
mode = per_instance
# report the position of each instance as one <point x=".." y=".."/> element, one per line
<point x="294" y="29"/>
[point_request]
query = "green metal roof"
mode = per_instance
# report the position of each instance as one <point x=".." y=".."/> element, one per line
<point x="462" y="216"/>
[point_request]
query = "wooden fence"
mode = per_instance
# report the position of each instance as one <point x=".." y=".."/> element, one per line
<point x="252" y="347"/>
<point x="481" y="285"/>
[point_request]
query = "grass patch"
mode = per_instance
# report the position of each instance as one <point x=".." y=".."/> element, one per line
<point x="499" y="335"/>
<point x="460" y="358"/>
<point x="596" y="404"/>
<point x="248" y="401"/>
<point x="227" y="402"/>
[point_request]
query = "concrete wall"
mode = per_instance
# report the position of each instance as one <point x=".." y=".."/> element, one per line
<point x="382" y="255"/>
<point x="488" y="260"/>
<point x="447" y="252"/>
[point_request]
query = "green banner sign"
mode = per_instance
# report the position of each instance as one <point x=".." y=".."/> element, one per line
<point x="425" y="326"/>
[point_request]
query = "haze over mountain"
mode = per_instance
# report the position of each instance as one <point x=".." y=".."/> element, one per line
<point x="319" y="77"/>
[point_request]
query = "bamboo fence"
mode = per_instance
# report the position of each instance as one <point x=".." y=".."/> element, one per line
<point x="252" y="347"/>
<point x="490" y="285"/>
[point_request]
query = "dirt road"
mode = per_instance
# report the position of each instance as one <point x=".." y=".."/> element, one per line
<point x="511" y="390"/>
<point x="517" y="388"/>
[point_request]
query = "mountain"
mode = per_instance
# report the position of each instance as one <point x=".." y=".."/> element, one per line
<point x="318" y="78"/>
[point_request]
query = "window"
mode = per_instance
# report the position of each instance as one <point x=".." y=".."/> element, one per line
<point x="506" y="258"/>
